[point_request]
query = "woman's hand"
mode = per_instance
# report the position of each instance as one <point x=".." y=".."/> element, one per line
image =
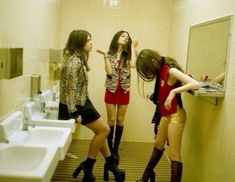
<point x="134" y="43"/>
<point x="108" y="68"/>
<point x="169" y="99"/>
<point x="101" y="52"/>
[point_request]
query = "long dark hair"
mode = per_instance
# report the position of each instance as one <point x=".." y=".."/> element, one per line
<point x="75" y="45"/>
<point x="113" y="48"/>
<point x="149" y="63"/>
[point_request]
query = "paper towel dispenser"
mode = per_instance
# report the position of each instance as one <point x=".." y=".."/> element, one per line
<point x="11" y="62"/>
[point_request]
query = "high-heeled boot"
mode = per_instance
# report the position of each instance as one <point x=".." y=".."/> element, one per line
<point x="110" y="138"/>
<point x="176" y="171"/>
<point x="110" y="165"/>
<point x="117" y="140"/>
<point x="149" y="174"/>
<point x="87" y="167"/>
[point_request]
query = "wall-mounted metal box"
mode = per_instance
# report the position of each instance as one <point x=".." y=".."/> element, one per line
<point x="55" y="56"/>
<point x="55" y="60"/>
<point x="11" y="62"/>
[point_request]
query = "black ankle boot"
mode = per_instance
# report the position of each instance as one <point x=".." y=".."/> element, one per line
<point x="110" y="165"/>
<point x="149" y="174"/>
<point x="86" y="166"/>
<point x="176" y="171"/>
<point x="117" y="140"/>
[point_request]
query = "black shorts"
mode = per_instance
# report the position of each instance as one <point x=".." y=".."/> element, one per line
<point x="87" y="112"/>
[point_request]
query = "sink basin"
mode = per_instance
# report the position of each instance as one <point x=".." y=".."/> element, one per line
<point x="46" y="118"/>
<point x="39" y="135"/>
<point x="27" y="163"/>
<point x="49" y="97"/>
<point x="52" y="105"/>
<point x="45" y="136"/>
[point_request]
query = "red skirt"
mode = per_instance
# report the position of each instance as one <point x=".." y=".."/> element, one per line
<point x="118" y="97"/>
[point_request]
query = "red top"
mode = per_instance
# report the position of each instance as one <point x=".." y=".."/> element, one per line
<point x="164" y="90"/>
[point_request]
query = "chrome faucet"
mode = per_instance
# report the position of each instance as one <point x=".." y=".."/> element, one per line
<point x="25" y="123"/>
<point x="43" y="106"/>
<point x="42" y="103"/>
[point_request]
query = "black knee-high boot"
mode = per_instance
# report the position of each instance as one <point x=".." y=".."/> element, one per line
<point x="117" y="140"/>
<point x="176" y="171"/>
<point x="148" y="172"/>
<point x="87" y="167"/>
<point x="110" y="138"/>
<point x="110" y="165"/>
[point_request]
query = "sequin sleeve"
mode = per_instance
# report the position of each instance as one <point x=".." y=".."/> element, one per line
<point x="70" y="82"/>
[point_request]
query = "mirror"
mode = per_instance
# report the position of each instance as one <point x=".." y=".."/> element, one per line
<point x="208" y="50"/>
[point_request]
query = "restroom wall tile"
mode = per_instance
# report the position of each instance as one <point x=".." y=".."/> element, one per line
<point x="208" y="126"/>
<point x="33" y="25"/>
<point x="148" y="21"/>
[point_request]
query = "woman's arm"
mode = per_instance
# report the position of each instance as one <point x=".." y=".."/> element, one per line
<point x="188" y="83"/>
<point x="108" y="68"/>
<point x="133" y="53"/>
<point x="72" y="81"/>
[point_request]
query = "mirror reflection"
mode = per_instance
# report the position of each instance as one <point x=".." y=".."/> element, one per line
<point x="208" y="50"/>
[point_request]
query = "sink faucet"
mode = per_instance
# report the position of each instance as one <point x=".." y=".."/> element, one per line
<point x="42" y="103"/>
<point x="43" y="106"/>
<point x="25" y="123"/>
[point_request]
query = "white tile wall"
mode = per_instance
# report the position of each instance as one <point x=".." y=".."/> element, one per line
<point x="208" y="144"/>
<point x="33" y="25"/>
<point x="36" y="25"/>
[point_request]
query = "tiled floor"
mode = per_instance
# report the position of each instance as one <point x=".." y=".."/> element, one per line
<point x="134" y="157"/>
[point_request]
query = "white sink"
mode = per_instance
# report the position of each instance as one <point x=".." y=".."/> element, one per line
<point x="39" y="135"/>
<point x="47" y="118"/>
<point x="27" y="163"/>
<point x="52" y="105"/>
<point x="49" y="97"/>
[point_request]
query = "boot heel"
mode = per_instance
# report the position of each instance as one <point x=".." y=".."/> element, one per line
<point x="123" y="175"/>
<point x="106" y="175"/>
<point x="119" y="174"/>
<point x="77" y="171"/>
<point x="152" y="177"/>
<point x="148" y="177"/>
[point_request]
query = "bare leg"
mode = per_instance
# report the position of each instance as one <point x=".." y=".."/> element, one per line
<point x="121" y="112"/>
<point x="162" y="134"/>
<point x="111" y="114"/>
<point x="101" y="130"/>
<point x="175" y="132"/>
<point x="157" y="153"/>
<point x="105" y="150"/>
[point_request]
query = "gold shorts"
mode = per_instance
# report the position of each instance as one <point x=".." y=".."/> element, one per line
<point x="178" y="117"/>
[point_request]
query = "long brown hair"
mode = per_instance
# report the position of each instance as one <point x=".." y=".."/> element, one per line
<point x="75" y="45"/>
<point x="149" y="64"/>
<point x="113" y="48"/>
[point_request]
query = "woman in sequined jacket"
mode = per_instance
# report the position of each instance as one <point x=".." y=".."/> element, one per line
<point x="75" y="103"/>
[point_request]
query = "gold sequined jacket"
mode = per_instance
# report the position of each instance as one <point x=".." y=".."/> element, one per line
<point x="73" y="83"/>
